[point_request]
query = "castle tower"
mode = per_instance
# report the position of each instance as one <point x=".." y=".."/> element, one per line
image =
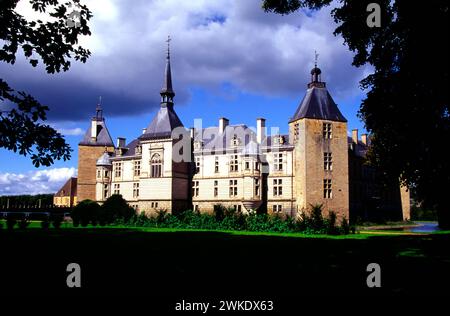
<point x="165" y="179"/>
<point x="91" y="147"/>
<point x="104" y="176"/>
<point x="319" y="132"/>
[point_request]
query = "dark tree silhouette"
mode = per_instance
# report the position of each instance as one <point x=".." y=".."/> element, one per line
<point x="54" y="44"/>
<point x="406" y="109"/>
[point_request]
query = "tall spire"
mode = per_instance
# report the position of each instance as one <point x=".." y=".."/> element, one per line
<point x="167" y="92"/>
<point x="99" y="110"/>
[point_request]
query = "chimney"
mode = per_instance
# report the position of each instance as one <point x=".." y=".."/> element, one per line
<point x="94" y="129"/>
<point x="355" y="135"/>
<point x="192" y="131"/>
<point x="223" y="123"/>
<point x="260" y="130"/>
<point x="144" y="130"/>
<point x="121" y="142"/>
<point x="364" y="139"/>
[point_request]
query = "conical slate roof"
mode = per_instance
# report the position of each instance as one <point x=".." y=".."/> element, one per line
<point x="103" y="136"/>
<point x="318" y="104"/>
<point x="104" y="160"/>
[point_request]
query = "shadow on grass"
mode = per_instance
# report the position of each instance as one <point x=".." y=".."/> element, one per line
<point x="132" y="262"/>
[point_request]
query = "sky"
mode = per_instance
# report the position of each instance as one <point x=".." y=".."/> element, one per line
<point x="229" y="59"/>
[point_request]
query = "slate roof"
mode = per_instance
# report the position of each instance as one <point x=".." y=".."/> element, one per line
<point x="68" y="189"/>
<point x="104" y="160"/>
<point x="212" y="140"/>
<point x="318" y="104"/>
<point x="103" y="136"/>
<point x="162" y="124"/>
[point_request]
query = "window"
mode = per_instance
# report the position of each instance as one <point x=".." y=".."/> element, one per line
<point x="196" y="209"/>
<point x="156" y="166"/>
<point x="277" y="208"/>
<point x="137" y="168"/>
<point x="235" y="140"/>
<point x="233" y="188"/>
<point x="257" y="166"/>
<point x="327" y="193"/>
<point x="234" y="166"/>
<point x="139" y="149"/>
<point x="195" y="188"/>
<point x="277" y="187"/>
<point x="216" y="165"/>
<point x="197" y="164"/>
<point x="135" y="190"/>
<point x="154" y="205"/>
<point x="327" y="162"/>
<point x="106" y="173"/>
<point x="237" y="208"/>
<point x="257" y="187"/>
<point x="216" y="188"/>
<point x="327" y="132"/>
<point x="105" y="191"/>
<point x="278" y="161"/>
<point x="247" y="165"/>
<point x="296" y="132"/>
<point x="116" y="188"/>
<point x="99" y="174"/>
<point x="118" y="169"/>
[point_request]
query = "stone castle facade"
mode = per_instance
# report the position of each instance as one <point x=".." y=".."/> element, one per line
<point x="173" y="168"/>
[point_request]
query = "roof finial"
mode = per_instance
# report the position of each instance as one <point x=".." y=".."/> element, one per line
<point x="168" y="46"/>
<point x="98" y="109"/>
<point x="315" y="58"/>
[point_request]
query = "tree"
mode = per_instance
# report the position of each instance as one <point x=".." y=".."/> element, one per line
<point x="54" y="44"/>
<point x="406" y="108"/>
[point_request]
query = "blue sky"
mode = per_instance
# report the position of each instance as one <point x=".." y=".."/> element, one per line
<point x="229" y="59"/>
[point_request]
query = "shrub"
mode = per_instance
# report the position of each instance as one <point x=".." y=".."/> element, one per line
<point x="10" y="222"/>
<point x="331" y="224"/>
<point x="345" y="228"/>
<point x="316" y="220"/>
<point x="56" y="221"/>
<point x="85" y="212"/>
<point x="116" y="208"/>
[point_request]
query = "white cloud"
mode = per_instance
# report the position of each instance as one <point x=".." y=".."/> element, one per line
<point x="35" y="182"/>
<point x="71" y="131"/>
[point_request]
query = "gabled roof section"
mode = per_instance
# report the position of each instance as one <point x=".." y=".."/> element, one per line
<point x="318" y="104"/>
<point x="68" y="189"/>
<point x="162" y="125"/>
<point x="103" y="136"/>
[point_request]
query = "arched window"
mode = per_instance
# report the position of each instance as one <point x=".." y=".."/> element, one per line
<point x="156" y="166"/>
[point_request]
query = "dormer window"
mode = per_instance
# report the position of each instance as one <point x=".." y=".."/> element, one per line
<point x="139" y="150"/>
<point x="198" y="145"/>
<point x="278" y="140"/>
<point x="235" y="141"/>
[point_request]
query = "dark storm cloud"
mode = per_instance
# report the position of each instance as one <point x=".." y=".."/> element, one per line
<point x="213" y="42"/>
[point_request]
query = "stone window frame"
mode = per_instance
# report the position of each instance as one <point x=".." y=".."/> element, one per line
<point x="327" y="189"/>
<point x="233" y="185"/>
<point x="137" y="168"/>
<point x="116" y="188"/>
<point x="117" y="169"/>
<point x="195" y="188"/>
<point x="277" y="208"/>
<point x="277" y="187"/>
<point x="327" y="130"/>
<point x="327" y="161"/>
<point x="136" y="190"/>
<point x="234" y="163"/>
<point x="216" y="188"/>
<point x="278" y="159"/>
<point x="156" y="165"/>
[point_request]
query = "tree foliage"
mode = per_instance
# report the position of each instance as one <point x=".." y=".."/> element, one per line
<point x="53" y="43"/>
<point x="406" y="109"/>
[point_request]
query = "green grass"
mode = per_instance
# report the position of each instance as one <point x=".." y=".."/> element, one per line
<point x="163" y="262"/>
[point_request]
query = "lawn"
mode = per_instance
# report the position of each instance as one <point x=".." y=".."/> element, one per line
<point x="172" y="264"/>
